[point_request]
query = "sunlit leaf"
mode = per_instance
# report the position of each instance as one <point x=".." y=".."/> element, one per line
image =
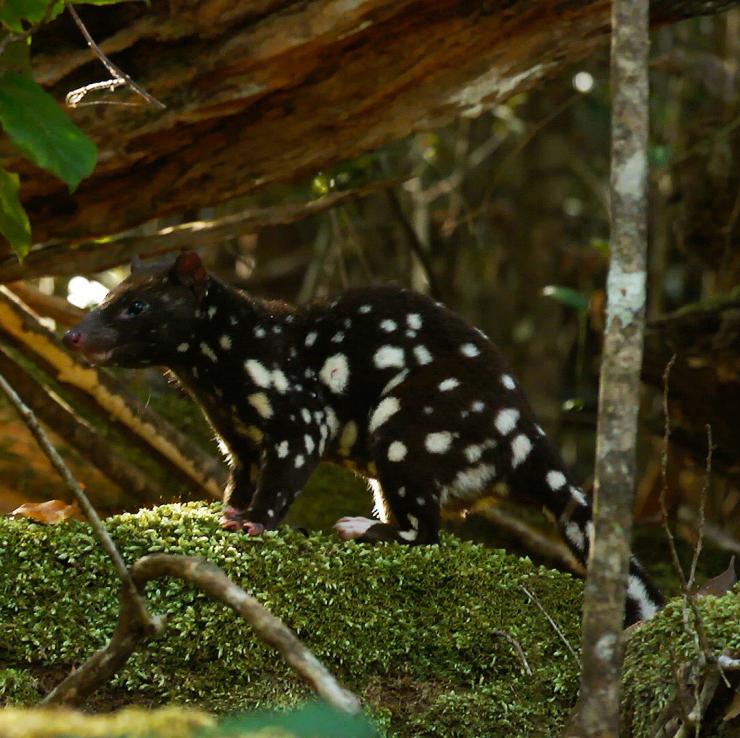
<point x="41" y="130"/>
<point x="14" y="223"/>
<point x="721" y="584"/>
<point x="48" y="513"/>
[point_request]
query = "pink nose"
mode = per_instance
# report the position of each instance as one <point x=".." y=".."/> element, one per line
<point x="73" y="339"/>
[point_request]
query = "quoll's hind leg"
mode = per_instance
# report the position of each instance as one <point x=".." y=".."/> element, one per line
<point x="241" y="486"/>
<point x="409" y="508"/>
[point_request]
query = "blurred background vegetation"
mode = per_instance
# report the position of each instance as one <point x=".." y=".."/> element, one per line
<point x="505" y="218"/>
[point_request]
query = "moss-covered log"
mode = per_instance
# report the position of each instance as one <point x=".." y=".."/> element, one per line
<point x="412" y="630"/>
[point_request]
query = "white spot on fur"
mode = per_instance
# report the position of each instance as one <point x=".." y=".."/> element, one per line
<point x="448" y="384"/>
<point x="225" y="342"/>
<point x="331" y="421"/>
<point x="508" y="381"/>
<point x="470" y="350"/>
<point x="299" y="461"/>
<point x="473" y="453"/>
<point x="520" y="448"/>
<point x="478" y="406"/>
<point x="637" y="591"/>
<point x="258" y="373"/>
<point x="260" y="402"/>
<point x="388" y="325"/>
<point x="438" y="443"/>
<point x="335" y="373"/>
<point x="364" y="309"/>
<point x="389" y="356"/>
<point x="206" y="350"/>
<point x="259" y="332"/>
<point x="233" y="320"/>
<point x="413" y="321"/>
<point x="183" y="347"/>
<point x="578" y="496"/>
<point x="385" y="409"/>
<point x="575" y="535"/>
<point x="506" y="420"/>
<point x="280" y="381"/>
<point x="212" y="311"/>
<point x="283" y="449"/>
<point x="422" y="355"/>
<point x="306" y="415"/>
<point x="311" y="338"/>
<point x="409" y="535"/>
<point x="338" y="337"/>
<point x="394" y="382"/>
<point x="310" y="443"/>
<point x="397" y="451"/>
<point x="555" y="479"/>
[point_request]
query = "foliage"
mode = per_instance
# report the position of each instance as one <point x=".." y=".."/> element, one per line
<point x="411" y="629"/>
<point x="31" y="118"/>
<point x="310" y="721"/>
<point x="655" y="651"/>
<point x="18" y="687"/>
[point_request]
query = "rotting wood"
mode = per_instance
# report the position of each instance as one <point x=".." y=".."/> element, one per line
<point x="56" y="415"/>
<point x="270" y="91"/>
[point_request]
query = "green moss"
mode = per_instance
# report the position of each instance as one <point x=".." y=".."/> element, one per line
<point x="18" y="687"/>
<point x="662" y="645"/>
<point x="410" y="629"/>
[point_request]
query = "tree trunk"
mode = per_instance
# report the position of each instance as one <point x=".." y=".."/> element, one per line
<point x="604" y="597"/>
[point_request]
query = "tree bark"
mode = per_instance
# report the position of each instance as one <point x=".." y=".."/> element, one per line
<point x="266" y="91"/>
<point x="604" y="598"/>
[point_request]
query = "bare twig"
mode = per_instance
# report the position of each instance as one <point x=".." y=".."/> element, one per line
<point x="99" y="529"/>
<point x="702" y="504"/>
<point x="211" y="580"/>
<point x="120" y="78"/>
<point x="555" y="626"/>
<point x="517" y="647"/>
<point x="414" y="243"/>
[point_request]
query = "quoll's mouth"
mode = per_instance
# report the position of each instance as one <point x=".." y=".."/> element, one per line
<point x="98" y="357"/>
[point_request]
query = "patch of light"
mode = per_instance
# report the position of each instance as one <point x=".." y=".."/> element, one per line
<point x="83" y="292"/>
<point x="583" y="82"/>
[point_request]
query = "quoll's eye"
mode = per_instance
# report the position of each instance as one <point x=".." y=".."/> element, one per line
<point x="136" y="307"/>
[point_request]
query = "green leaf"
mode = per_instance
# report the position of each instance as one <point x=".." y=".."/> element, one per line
<point x="13" y="12"/>
<point x="566" y="296"/>
<point x="42" y="131"/>
<point x="14" y="223"/>
<point x="313" y="720"/>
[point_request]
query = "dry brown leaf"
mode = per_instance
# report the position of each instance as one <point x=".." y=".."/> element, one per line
<point x="733" y="709"/>
<point x="49" y="512"/>
<point x="721" y="584"/>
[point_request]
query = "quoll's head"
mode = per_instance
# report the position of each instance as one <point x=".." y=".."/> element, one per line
<point x="145" y="318"/>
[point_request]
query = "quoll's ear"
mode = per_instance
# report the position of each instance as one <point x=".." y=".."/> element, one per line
<point x="189" y="271"/>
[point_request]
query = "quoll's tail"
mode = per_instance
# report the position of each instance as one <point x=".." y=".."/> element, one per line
<point x="544" y="478"/>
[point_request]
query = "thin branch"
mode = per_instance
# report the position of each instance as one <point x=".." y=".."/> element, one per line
<point x="120" y="77"/>
<point x="517" y="647"/>
<point x="702" y="505"/>
<point x="97" y="256"/>
<point x="555" y="626"/>
<point x="99" y="529"/>
<point x="211" y="580"/>
<point x="414" y="243"/>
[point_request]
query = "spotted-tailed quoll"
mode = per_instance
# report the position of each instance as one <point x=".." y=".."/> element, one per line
<point x="381" y="379"/>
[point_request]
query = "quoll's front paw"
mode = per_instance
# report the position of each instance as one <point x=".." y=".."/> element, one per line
<point x="349" y="528"/>
<point x="233" y="519"/>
